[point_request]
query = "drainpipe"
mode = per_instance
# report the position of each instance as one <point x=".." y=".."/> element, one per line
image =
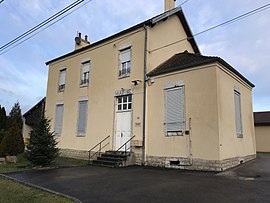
<point x="144" y="96"/>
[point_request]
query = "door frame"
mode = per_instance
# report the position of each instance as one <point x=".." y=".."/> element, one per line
<point x="115" y="117"/>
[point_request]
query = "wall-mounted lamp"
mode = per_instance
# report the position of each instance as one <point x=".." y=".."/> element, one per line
<point x="136" y="82"/>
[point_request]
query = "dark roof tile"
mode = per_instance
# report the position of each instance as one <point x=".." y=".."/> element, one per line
<point x="262" y="118"/>
<point x="186" y="60"/>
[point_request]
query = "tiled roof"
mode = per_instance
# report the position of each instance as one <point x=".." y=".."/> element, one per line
<point x="186" y="60"/>
<point x="262" y="118"/>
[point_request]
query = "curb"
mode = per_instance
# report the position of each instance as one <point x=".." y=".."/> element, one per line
<point x="41" y="188"/>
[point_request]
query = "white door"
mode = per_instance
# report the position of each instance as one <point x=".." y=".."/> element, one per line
<point x="123" y="122"/>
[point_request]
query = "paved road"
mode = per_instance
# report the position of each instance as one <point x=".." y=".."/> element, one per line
<point x="248" y="183"/>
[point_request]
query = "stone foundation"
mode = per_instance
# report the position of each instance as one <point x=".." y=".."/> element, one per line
<point x="193" y="164"/>
<point x="170" y="162"/>
<point x="72" y="153"/>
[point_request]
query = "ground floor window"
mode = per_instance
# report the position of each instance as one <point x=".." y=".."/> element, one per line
<point x="82" y="118"/>
<point x="174" y="111"/>
<point x="238" y="116"/>
<point x="58" y="119"/>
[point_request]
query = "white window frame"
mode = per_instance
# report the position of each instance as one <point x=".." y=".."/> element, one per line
<point x="238" y="113"/>
<point x="168" y="89"/>
<point x="124" y="103"/>
<point x="58" y="119"/>
<point x="85" y="73"/>
<point x="124" y="69"/>
<point x="79" y="133"/>
<point x="62" y="80"/>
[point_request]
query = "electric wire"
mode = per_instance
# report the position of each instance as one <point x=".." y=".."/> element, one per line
<point x="240" y="17"/>
<point x="40" y="25"/>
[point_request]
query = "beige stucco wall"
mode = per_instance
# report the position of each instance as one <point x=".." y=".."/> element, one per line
<point x="100" y="92"/>
<point x="164" y="33"/>
<point x="104" y="82"/>
<point x="230" y="145"/>
<point x="200" y="106"/>
<point x="262" y="134"/>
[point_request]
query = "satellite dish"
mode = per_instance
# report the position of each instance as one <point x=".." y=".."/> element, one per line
<point x="78" y="40"/>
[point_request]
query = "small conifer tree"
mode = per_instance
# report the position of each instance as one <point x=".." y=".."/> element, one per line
<point x="42" y="147"/>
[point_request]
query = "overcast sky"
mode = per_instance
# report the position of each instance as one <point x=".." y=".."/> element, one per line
<point x="244" y="44"/>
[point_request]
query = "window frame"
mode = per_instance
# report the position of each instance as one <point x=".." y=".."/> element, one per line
<point x="238" y="114"/>
<point x="62" y="86"/>
<point x="167" y="132"/>
<point x="84" y="82"/>
<point x="82" y="134"/>
<point x="127" y="64"/>
<point x="57" y="119"/>
<point x="121" y="104"/>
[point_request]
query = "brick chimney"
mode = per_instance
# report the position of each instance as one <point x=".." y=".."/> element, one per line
<point x="169" y="4"/>
<point x="79" y="42"/>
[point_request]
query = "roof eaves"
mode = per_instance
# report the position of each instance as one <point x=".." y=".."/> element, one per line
<point x="224" y="63"/>
<point x="151" y="21"/>
<point x="33" y="107"/>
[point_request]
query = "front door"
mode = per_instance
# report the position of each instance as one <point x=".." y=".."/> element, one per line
<point x="123" y="121"/>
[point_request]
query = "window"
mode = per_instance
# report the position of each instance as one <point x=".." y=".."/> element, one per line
<point x="238" y="116"/>
<point x="125" y="62"/>
<point x="62" y="80"/>
<point x="82" y="117"/>
<point x="58" y="119"/>
<point x="85" y="73"/>
<point x="174" y="111"/>
<point x="124" y="103"/>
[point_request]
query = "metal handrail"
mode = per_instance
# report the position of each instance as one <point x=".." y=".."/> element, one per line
<point x="100" y="147"/>
<point x="125" y="144"/>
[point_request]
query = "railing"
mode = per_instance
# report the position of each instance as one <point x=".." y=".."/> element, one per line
<point x="125" y="145"/>
<point x="100" y="148"/>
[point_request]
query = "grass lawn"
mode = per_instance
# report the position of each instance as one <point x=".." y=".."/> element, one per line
<point x="23" y="164"/>
<point x="12" y="191"/>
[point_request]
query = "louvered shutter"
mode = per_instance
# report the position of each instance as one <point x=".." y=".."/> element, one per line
<point x="82" y="117"/>
<point x="238" y="114"/>
<point x="125" y="55"/>
<point x="58" y="119"/>
<point x="174" y="118"/>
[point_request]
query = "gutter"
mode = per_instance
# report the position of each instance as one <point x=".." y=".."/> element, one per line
<point x="144" y="97"/>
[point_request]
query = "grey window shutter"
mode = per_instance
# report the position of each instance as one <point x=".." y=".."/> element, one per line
<point x="238" y="117"/>
<point x="82" y="117"/>
<point x="58" y="119"/>
<point x="174" y="118"/>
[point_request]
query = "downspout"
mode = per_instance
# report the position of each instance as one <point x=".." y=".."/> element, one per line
<point x="144" y="97"/>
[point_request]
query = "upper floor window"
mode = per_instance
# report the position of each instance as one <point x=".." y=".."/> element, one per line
<point x="125" y="62"/>
<point x="85" y="71"/>
<point x="238" y="116"/>
<point x="62" y="80"/>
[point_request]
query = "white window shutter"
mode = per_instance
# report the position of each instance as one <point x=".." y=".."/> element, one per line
<point x="58" y="119"/>
<point x="86" y="67"/>
<point x="125" y="55"/>
<point x="174" y="112"/>
<point x="82" y="117"/>
<point x="238" y="117"/>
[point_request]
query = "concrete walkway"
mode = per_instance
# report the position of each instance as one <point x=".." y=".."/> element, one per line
<point x="138" y="184"/>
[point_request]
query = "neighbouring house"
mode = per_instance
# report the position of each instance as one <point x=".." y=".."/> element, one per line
<point x="148" y="90"/>
<point x="262" y="131"/>
<point x="31" y="117"/>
